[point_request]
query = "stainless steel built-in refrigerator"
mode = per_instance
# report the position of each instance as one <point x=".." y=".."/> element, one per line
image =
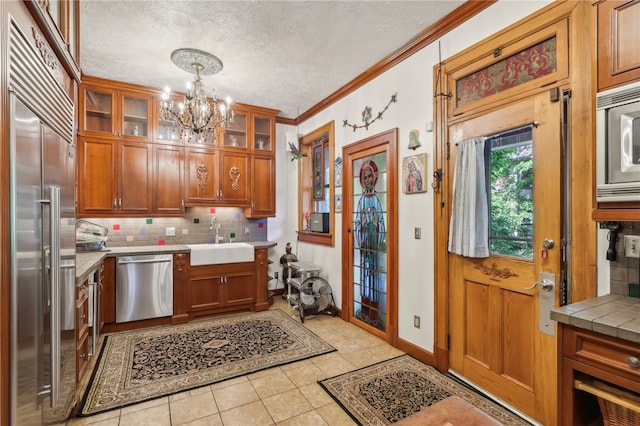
<point x="42" y="353"/>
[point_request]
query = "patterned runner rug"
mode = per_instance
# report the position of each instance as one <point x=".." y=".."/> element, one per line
<point x="391" y="390"/>
<point x="144" y="364"/>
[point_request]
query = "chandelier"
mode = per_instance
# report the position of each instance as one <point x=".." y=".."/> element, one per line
<point x="196" y="116"/>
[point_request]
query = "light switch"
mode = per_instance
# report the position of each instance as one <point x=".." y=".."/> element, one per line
<point x="632" y="246"/>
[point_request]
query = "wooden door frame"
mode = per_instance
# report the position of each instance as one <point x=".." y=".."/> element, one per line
<point x="390" y="138"/>
<point x="582" y="265"/>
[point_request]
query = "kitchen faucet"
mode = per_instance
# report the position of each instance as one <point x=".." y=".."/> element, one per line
<point x="214" y="225"/>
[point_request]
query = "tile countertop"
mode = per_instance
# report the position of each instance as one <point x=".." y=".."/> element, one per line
<point x="88" y="261"/>
<point x="612" y="314"/>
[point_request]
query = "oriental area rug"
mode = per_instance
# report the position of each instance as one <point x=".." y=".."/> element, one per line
<point x="145" y="364"/>
<point x="391" y="390"/>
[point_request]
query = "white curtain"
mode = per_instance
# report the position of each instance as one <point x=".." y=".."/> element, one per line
<point x="469" y="226"/>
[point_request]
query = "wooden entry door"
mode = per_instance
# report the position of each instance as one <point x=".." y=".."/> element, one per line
<point x="496" y="342"/>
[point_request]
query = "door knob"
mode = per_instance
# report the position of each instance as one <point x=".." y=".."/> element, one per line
<point x="544" y="284"/>
<point x="548" y="243"/>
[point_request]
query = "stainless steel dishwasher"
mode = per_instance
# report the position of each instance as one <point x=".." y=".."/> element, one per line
<point x="144" y="287"/>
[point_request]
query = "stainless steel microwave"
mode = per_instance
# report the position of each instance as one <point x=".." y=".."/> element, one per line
<point x="618" y="144"/>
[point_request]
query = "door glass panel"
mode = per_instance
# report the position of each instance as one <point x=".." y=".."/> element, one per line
<point x="510" y="164"/>
<point x="370" y="245"/>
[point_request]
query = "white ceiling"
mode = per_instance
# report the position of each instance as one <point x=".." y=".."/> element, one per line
<point x="286" y="55"/>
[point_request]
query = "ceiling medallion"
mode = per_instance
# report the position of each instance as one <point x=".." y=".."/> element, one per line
<point x="197" y="116"/>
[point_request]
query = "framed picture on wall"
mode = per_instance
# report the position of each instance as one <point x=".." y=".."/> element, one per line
<point x="414" y="169"/>
<point x="338" y="205"/>
<point x="318" y="172"/>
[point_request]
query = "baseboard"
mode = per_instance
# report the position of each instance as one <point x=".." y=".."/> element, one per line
<point x="416" y="352"/>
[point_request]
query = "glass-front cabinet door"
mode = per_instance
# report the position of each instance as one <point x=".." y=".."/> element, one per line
<point x="97" y="106"/>
<point x="235" y="135"/>
<point x="113" y="113"/>
<point x="135" y="115"/>
<point x="262" y="133"/>
<point x="166" y="130"/>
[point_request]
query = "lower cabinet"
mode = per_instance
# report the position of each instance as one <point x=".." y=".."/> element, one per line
<point x="82" y="327"/>
<point x="213" y="288"/>
<point x="197" y="290"/>
<point x="597" y="369"/>
<point x="108" y="291"/>
<point x="264" y="296"/>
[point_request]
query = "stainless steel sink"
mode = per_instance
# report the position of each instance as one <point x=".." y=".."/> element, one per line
<point x="215" y="254"/>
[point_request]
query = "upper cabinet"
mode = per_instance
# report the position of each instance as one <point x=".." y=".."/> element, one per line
<point x="263" y="185"/>
<point x="58" y="20"/>
<point x="122" y="135"/>
<point x="106" y="170"/>
<point x="114" y="112"/>
<point x="252" y="129"/>
<point x="216" y="178"/>
<point x="618" y="43"/>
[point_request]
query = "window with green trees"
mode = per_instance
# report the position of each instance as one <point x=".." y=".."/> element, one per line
<point x="509" y="163"/>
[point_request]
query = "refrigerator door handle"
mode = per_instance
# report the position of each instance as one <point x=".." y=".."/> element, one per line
<point x="55" y="294"/>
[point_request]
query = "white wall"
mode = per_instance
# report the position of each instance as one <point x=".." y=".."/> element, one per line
<point x="412" y="80"/>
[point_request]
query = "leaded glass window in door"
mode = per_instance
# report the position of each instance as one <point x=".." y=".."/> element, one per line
<point x="370" y="239"/>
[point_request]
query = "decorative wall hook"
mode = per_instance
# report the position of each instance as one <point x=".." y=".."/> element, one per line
<point x="367" y="114"/>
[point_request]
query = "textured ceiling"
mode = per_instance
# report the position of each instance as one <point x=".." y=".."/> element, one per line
<point x="286" y="55"/>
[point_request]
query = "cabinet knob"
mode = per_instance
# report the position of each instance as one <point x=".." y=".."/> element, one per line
<point x="633" y="362"/>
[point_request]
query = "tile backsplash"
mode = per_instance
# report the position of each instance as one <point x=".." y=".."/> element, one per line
<point x="624" y="270"/>
<point x="193" y="228"/>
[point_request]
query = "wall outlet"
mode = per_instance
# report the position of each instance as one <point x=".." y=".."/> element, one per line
<point x="416" y="321"/>
<point x="632" y="246"/>
<point x="170" y="231"/>
<point x="275" y="276"/>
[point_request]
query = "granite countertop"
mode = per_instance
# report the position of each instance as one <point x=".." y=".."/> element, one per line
<point x="613" y="315"/>
<point x="86" y="262"/>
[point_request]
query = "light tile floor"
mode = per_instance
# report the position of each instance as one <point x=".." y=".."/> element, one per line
<point x="287" y="395"/>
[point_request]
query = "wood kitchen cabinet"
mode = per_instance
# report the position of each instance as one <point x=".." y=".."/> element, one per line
<point x="201" y="175"/>
<point x="264" y="297"/>
<point x="618" y="47"/>
<point x="122" y="140"/>
<point x="218" y="288"/>
<point x="216" y="177"/>
<point x="259" y="133"/>
<point x="168" y="180"/>
<point x="263" y="187"/>
<point x="180" y="287"/>
<point x="253" y="128"/>
<point x="114" y="111"/>
<point x="82" y="328"/>
<point x="114" y="178"/>
<point x="108" y="291"/>
<point x="590" y="357"/>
